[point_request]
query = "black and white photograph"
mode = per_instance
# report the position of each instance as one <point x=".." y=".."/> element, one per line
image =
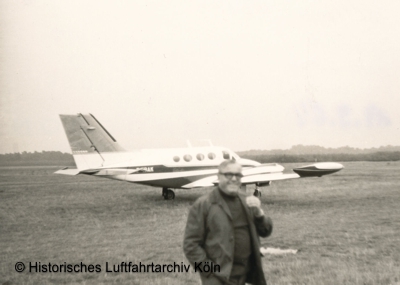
<point x="200" y="142"/>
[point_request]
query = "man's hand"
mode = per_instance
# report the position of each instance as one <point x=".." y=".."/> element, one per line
<point x="255" y="205"/>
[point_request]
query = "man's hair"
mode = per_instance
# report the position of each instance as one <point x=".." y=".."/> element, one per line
<point x="225" y="163"/>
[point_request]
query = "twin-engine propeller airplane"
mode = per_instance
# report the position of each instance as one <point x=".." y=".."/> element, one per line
<point x="97" y="153"/>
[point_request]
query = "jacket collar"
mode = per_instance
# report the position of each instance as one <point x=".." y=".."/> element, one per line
<point x="216" y="198"/>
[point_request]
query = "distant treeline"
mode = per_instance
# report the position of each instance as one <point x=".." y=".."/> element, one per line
<point x="37" y="158"/>
<point x="312" y="153"/>
<point x="295" y="154"/>
<point x="315" y="149"/>
<point x="282" y="158"/>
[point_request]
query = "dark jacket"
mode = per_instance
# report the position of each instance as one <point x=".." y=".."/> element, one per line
<point x="209" y="236"/>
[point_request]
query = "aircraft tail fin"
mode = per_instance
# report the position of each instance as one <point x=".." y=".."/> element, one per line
<point x="88" y="139"/>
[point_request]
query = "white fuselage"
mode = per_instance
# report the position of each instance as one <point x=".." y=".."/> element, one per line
<point x="171" y="168"/>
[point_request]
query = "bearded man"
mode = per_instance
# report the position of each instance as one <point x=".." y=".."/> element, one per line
<point x="223" y="230"/>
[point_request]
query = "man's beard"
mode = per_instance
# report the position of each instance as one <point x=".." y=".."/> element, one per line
<point x="233" y="189"/>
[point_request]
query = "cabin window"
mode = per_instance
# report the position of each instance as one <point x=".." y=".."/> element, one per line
<point x="225" y="155"/>
<point x="200" y="157"/>
<point x="176" y="158"/>
<point x="187" y="157"/>
<point x="211" y="155"/>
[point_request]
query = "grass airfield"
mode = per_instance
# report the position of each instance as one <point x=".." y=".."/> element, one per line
<point x="346" y="227"/>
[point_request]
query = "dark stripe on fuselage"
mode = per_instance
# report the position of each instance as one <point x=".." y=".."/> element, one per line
<point x="173" y="182"/>
<point x="176" y="182"/>
<point x="164" y="169"/>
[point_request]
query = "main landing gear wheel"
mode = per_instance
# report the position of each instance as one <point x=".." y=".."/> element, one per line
<point x="257" y="193"/>
<point x="168" y="194"/>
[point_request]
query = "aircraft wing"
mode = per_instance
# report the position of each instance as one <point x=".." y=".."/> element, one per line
<point x="265" y="173"/>
<point x="262" y="178"/>
<point x="313" y="170"/>
<point x="251" y="179"/>
<point x="204" y="182"/>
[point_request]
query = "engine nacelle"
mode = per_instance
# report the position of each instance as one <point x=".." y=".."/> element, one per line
<point x="263" y="184"/>
<point x="318" y="169"/>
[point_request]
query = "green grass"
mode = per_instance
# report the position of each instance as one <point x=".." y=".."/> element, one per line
<point x="346" y="227"/>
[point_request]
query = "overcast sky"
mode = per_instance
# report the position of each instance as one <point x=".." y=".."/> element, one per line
<point x="245" y="74"/>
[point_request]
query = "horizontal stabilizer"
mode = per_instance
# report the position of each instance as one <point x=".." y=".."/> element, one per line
<point x="111" y="171"/>
<point x="67" y="171"/>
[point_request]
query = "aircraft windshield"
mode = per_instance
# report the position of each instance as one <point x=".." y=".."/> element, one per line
<point x="226" y="154"/>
